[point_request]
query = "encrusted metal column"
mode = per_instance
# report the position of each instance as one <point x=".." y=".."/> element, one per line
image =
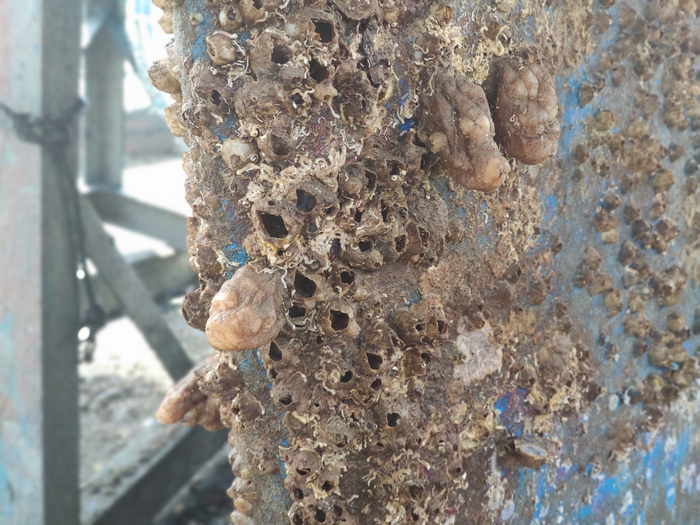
<point x="448" y="255"/>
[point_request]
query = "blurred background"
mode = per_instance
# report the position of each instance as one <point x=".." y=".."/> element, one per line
<point x="93" y="226"/>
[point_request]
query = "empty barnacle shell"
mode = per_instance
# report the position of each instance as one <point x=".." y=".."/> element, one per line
<point x="221" y="49"/>
<point x="258" y="11"/>
<point x="277" y="221"/>
<point x="456" y="125"/>
<point x="338" y="318"/>
<point x="237" y="153"/>
<point x="272" y="57"/>
<point x="248" y="310"/>
<point x="230" y="18"/>
<point x="276" y="145"/>
<point x="525" y="111"/>
<point x="211" y="86"/>
<point x="163" y="77"/>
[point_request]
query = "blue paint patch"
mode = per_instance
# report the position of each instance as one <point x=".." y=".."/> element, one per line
<point x="502" y="404"/>
<point x="198" y="48"/>
<point x="550" y="208"/>
<point x="407" y="125"/>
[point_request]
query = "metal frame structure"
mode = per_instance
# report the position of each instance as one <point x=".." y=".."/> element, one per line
<point x="39" y="292"/>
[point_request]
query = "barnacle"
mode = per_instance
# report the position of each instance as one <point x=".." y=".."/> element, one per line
<point x="357" y="10"/>
<point x="525" y="111"/>
<point x="456" y="124"/>
<point x="222" y="50"/>
<point x="164" y="78"/>
<point x="246" y="313"/>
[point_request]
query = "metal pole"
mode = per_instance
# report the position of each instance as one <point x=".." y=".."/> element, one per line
<point x="104" y="123"/>
<point x="39" y="476"/>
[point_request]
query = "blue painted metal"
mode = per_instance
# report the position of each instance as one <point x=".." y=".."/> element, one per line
<point x="659" y="481"/>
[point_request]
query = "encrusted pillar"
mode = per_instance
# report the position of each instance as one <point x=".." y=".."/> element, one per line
<point x="447" y="251"/>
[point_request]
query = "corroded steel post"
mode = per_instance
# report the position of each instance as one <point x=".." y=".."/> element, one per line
<point x="430" y="237"/>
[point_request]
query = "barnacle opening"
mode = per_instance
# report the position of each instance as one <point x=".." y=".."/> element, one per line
<point x="305" y="201"/>
<point x="374" y="360"/>
<point x="297" y="312"/>
<point x="347" y="277"/>
<point x="280" y="55"/>
<point x="273" y="225"/>
<point x="318" y="71"/>
<point x="230" y="13"/>
<point x="400" y="243"/>
<point x="275" y="353"/>
<point x="286" y="399"/>
<point x="281" y="146"/>
<point x="339" y="320"/>
<point x="324" y="30"/>
<point x="303" y="286"/>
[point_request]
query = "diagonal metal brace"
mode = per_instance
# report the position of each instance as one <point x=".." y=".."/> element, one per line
<point x="133" y="295"/>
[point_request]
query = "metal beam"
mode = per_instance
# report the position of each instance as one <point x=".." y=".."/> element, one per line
<point x="162" y="277"/>
<point x="40" y="44"/>
<point x="123" y="210"/>
<point x="159" y="478"/>
<point x="133" y="295"/>
<point x="104" y="82"/>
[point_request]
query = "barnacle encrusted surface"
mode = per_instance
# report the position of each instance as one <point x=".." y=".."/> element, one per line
<point x="381" y="279"/>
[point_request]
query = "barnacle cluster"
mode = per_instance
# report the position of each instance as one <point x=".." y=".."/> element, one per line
<point x="308" y="149"/>
<point x="639" y="215"/>
<point x="338" y="241"/>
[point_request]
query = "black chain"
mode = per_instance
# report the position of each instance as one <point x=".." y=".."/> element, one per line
<point x="57" y="136"/>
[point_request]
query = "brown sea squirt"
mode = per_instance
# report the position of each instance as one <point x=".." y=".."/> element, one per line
<point x="525" y="111"/>
<point x="247" y="312"/>
<point x="185" y="402"/>
<point x="456" y="125"/>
